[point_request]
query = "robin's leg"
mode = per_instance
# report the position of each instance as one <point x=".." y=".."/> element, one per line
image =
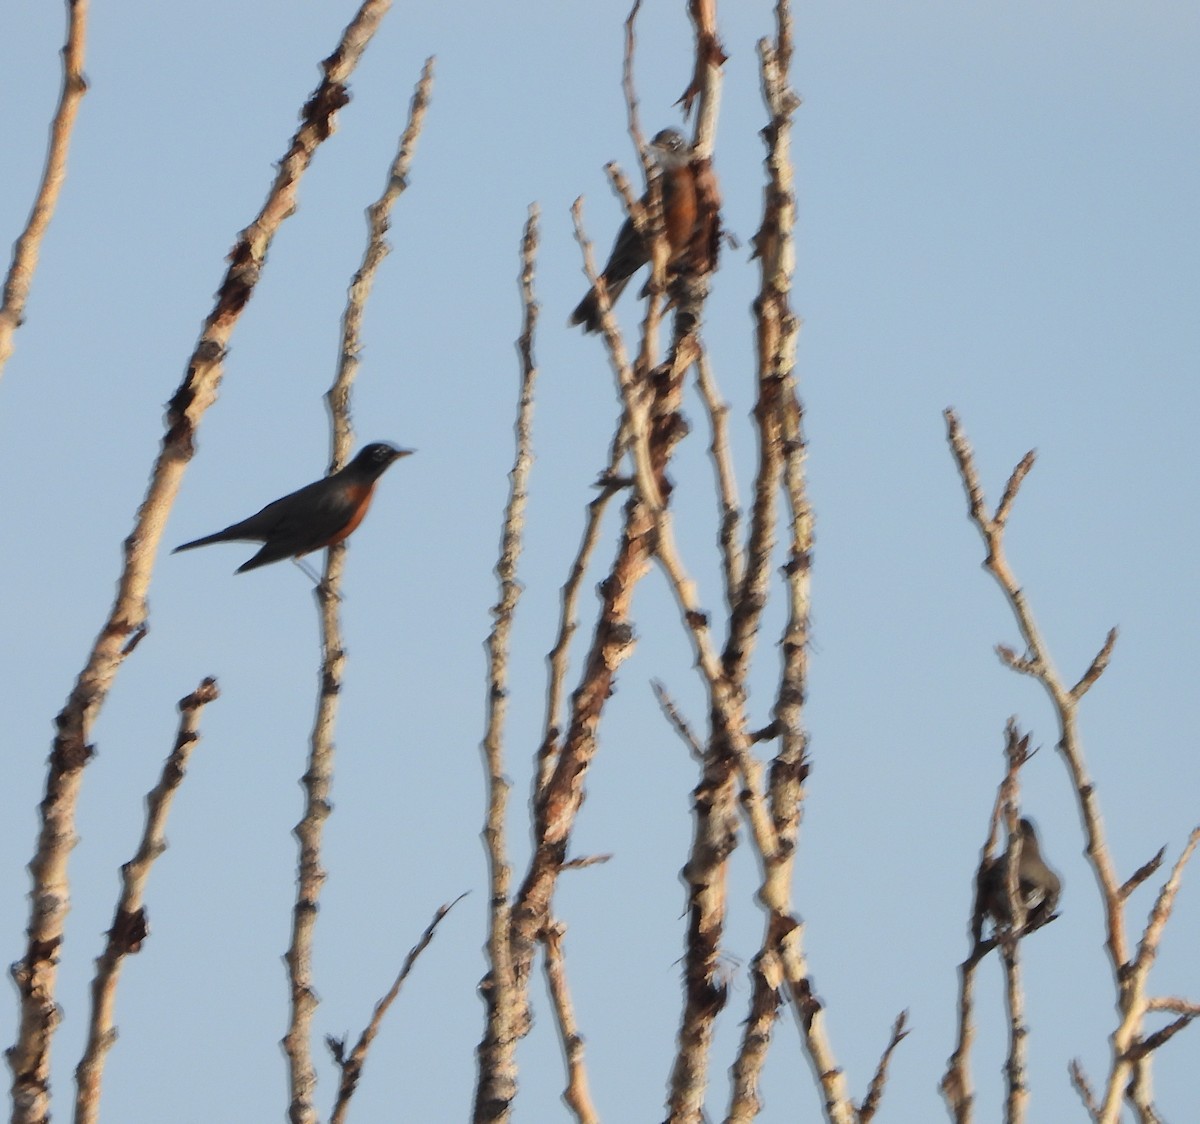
<point x="316" y="578"/>
<point x="312" y="574"/>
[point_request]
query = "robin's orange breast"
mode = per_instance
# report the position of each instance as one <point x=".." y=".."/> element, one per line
<point x="359" y="497"/>
<point x="679" y="208"/>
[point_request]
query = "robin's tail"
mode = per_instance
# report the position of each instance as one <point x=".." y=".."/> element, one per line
<point x="218" y="537"/>
<point x="587" y="312"/>
<point x="234" y="533"/>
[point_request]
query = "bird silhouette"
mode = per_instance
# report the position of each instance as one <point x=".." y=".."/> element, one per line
<point x="317" y="515"/>
<point x="1038" y="886"/>
<point x="680" y="205"/>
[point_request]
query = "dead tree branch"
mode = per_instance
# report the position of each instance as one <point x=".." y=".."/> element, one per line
<point x="496" y="1051"/>
<point x="352" y="1064"/>
<point x="576" y="1095"/>
<point x="25" y="252"/>
<point x="130" y="925"/>
<point x="35" y="973"/>
<point x="318" y="777"/>
<point x="1127" y="1077"/>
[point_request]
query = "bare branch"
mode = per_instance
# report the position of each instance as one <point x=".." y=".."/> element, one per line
<point x="765" y="1000"/>
<point x="1128" y="1077"/>
<point x="351" y="1066"/>
<point x="496" y="1050"/>
<point x="1004" y="508"/>
<point x="1141" y="874"/>
<point x="1001" y="885"/>
<point x="732" y="560"/>
<point x="678" y="723"/>
<point x="378" y="223"/>
<point x="1160" y="1037"/>
<point x="1016" y="1097"/>
<point x="576" y="1095"/>
<point x="1174" y="1004"/>
<point x="956" y="1086"/>
<point x="1083" y="1088"/>
<point x="874" y="1095"/>
<point x="1038" y="664"/>
<point x="584" y="861"/>
<point x="130" y="925"/>
<point x="558" y="657"/>
<point x="1097" y="666"/>
<point x="779" y="414"/>
<point x="1161" y="912"/>
<point x="1021" y="664"/>
<point x="629" y="89"/>
<point x="318" y="777"/>
<point x="636" y="420"/>
<point x="27" y="247"/>
<point x="36" y="973"/>
<point x="650" y="430"/>
<point x="710" y="57"/>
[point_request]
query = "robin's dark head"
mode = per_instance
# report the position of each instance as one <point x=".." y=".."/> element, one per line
<point x="670" y="148"/>
<point x="374" y="459"/>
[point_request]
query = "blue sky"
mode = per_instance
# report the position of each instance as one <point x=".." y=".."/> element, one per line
<point x="997" y="211"/>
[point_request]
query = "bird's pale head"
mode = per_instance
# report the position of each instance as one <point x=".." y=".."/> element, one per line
<point x="670" y="149"/>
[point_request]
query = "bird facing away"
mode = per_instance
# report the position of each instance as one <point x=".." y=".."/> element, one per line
<point x="1038" y="886"/>
<point x="318" y="515"/>
<point x="681" y="211"/>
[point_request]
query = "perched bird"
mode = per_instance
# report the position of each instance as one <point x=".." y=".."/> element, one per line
<point x="318" y="515"/>
<point x="1038" y="886"/>
<point x="681" y="211"/>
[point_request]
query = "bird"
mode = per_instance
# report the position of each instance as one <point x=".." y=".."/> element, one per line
<point x="681" y="210"/>
<point x="1038" y="886"/>
<point x="317" y="515"/>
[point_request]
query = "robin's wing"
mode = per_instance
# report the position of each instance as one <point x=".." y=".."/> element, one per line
<point x="318" y="506"/>
<point x="312" y="516"/>
<point x="627" y="257"/>
<point x="315" y="516"/>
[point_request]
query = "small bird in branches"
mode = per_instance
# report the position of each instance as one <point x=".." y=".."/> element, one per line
<point x="683" y="206"/>
<point x="1038" y="886"/>
<point x="318" y="515"/>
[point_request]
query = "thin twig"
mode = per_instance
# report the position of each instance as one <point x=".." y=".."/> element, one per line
<point x="637" y="406"/>
<point x="678" y="723"/>
<point x="732" y="559"/>
<point x="36" y="973"/>
<point x="1142" y="873"/>
<point x="378" y="223"/>
<point x="576" y="1095"/>
<point x="580" y="862"/>
<point x="874" y="1095"/>
<point x="130" y="925"/>
<point x="1163" y="904"/>
<point x="1174" y="1003"/>
<point x="1083" y="1088"/>
<point x="352" y="1064"/>
<point x="558" y="658"/>
<point x="629" y="89"/>
<point x="318" y="776"/>
<point x="27" y="247"/>
<point x="503" y="1003"/>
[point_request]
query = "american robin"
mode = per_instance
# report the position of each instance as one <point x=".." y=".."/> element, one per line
<point x="318" y="515"/>
<point x="681" y="211"/>
<point x="1038" y="886"/>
